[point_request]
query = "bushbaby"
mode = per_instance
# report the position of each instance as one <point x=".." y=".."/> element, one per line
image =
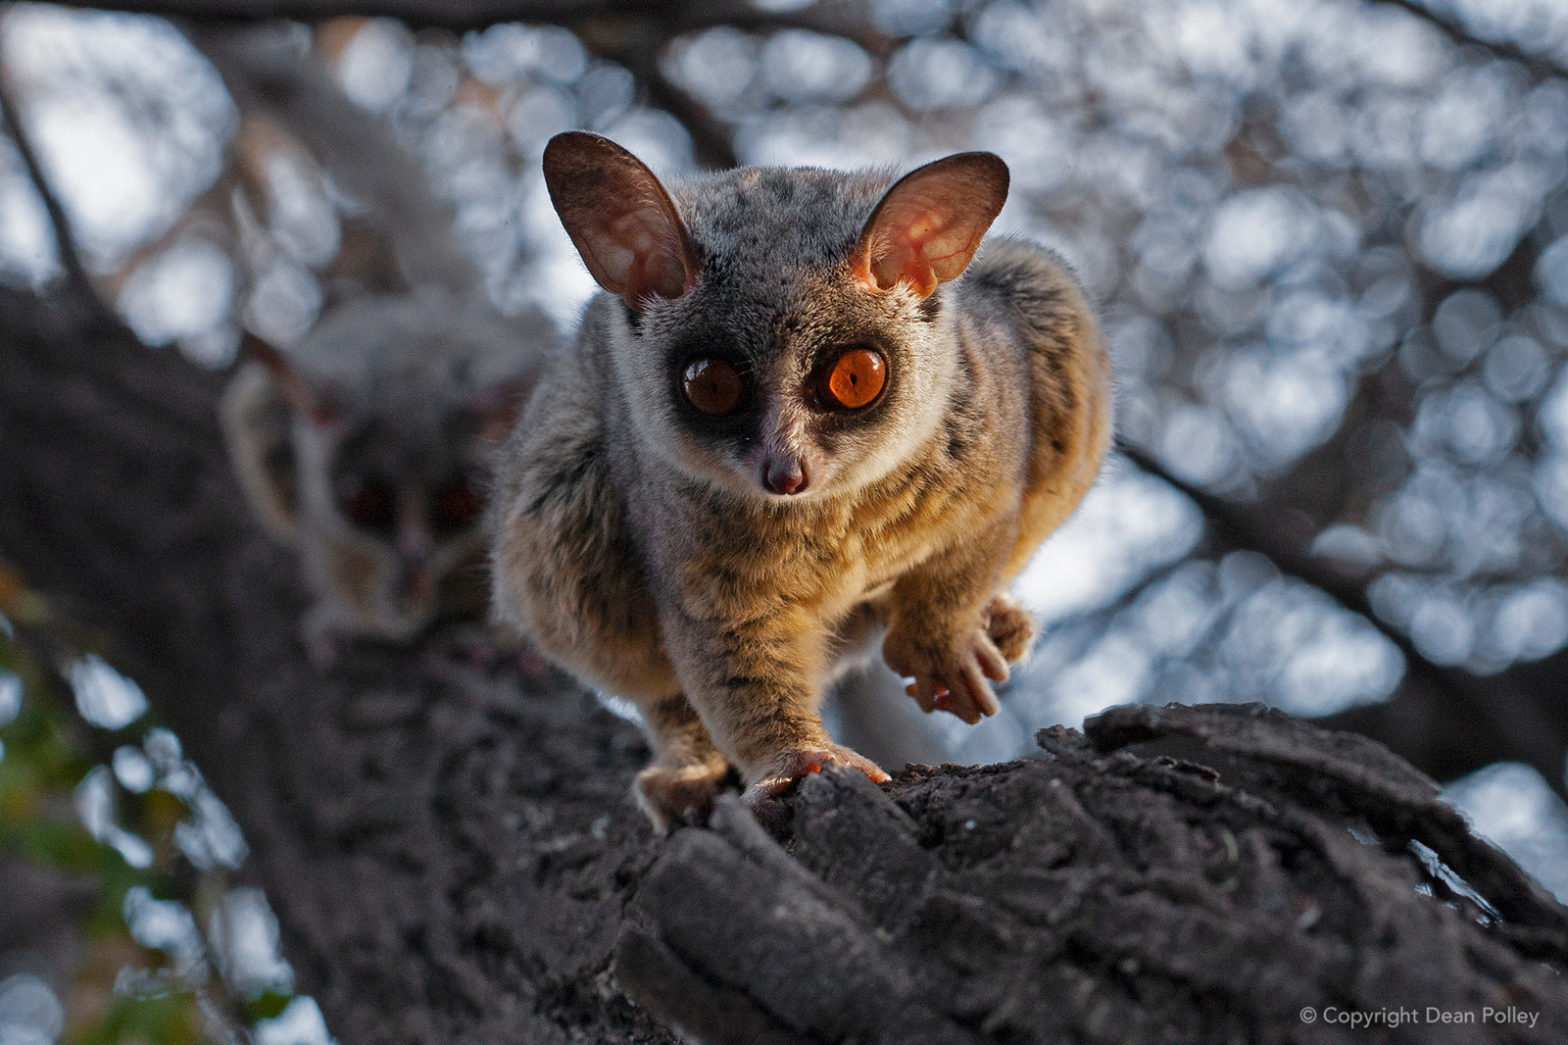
<point x="788" y="426"/>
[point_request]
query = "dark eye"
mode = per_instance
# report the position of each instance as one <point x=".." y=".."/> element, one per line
<point x="713" y="386"/>
<point x="456" y="504"/>
<point x="369" y="502"/>
<point x="853" y="379"/>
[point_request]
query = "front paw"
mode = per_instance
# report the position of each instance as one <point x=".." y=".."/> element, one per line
<point x="951" y="675"/>
<point x="789" y="766"/>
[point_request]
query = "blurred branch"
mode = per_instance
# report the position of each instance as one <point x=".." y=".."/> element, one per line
<point x="834" y="17"/>
<point x="1457" y="32"/>
<point x="636" y="46"/>
<point x="629" y="32"/>
<point x="441" y="14"/>
<point x="206" y="216"/>
<point x="712" y="140"/>
<point x="1507" y="718"/>
<point x="1239" y="526"/>
<point x="64" y="240"/>
<point x="264" y="75"/>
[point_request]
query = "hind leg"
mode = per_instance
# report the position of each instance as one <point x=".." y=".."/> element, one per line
<point x="687" y="771"/>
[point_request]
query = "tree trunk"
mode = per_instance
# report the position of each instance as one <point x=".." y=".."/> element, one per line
<point x="453" y="856"/>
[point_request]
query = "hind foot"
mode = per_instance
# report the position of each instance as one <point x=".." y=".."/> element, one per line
<point x="1010" y="627"/>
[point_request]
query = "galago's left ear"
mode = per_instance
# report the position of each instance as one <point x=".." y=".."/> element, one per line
<point x="304" y="398"/>
<point x="620" y="218"/>
<point x="497" y="407"/>
<point x="928" y="225"/>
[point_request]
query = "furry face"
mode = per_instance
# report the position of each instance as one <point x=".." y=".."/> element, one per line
<point x="367" y="447"/>
<point x="392" y="514"/>
<point x="781" y="382"/>
<point x="796" y="360"/>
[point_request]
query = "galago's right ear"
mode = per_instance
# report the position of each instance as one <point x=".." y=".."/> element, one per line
<point x="256" y="431"/>
<point x="620" y="218"/>
<point x="256" y="413"/>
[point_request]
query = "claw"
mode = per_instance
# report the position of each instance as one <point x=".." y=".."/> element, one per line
<point x="791" y="766"/>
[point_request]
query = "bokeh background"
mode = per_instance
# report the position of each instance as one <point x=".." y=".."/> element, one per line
<point x="1330" y="243"/>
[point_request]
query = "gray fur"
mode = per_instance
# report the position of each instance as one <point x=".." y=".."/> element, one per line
<point x="413" y="385"/>
<point x="637" y="546"/>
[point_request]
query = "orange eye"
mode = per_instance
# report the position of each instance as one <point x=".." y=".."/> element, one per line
<point x="713" y="386"/>
<point x="854" y="379"/>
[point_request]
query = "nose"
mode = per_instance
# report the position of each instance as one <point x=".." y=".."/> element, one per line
<point x="784" y="475"/>
<point x="411" y="577"/>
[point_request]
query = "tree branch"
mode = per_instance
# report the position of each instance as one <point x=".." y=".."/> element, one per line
<point x="637" y="47"/>
<point x="458" y="15"/>
<point x="59" y="222"/>
<point x="1538" y="65"/>
<point x="454" y="855"/>
<point x="264" y="75"/>
<point x="835" y="17"/>
<point x="1506" y="720"/>
<point x="987" y="905"/>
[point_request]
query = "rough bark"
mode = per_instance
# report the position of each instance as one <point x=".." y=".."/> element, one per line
<point x="453" y="857"/>
<point x="1108" y="892"/>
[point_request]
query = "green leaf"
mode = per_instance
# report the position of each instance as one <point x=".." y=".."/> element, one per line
<point x="267" y="1005"/>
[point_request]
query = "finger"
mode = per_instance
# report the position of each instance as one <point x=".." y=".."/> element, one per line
<point x="765" y="791"/>
<point x="980" y="692"/>
<point x="991" y="660"/>
<point x="958" y="708"/>
<point x="959" y="703"/>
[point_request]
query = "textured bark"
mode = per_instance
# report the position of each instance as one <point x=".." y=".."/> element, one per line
<point x="1106" y="893"/>
<point x="453" y="855"/>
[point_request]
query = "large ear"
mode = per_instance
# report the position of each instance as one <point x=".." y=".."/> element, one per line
<point x="622" y="221"/>
<point x="498" y="406"/>
<point x="927" y="226"/>
<point x="301" y="397"/>
<point x="256" y="423"/>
